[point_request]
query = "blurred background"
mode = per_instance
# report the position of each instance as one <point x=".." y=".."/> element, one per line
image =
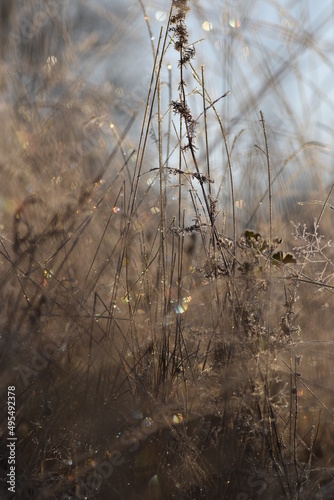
<point x="274" y="56"/>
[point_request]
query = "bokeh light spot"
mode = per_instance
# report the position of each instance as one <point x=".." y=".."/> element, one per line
<point x="234" y="23"/>
<point x="161" y="15"/>
<point x="207" y="26"/>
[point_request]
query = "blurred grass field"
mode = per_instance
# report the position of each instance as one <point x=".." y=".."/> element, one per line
<point x="166" y="260"/>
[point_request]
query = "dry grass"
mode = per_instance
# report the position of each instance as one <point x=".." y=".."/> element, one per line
<point x="163" y="340"/>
